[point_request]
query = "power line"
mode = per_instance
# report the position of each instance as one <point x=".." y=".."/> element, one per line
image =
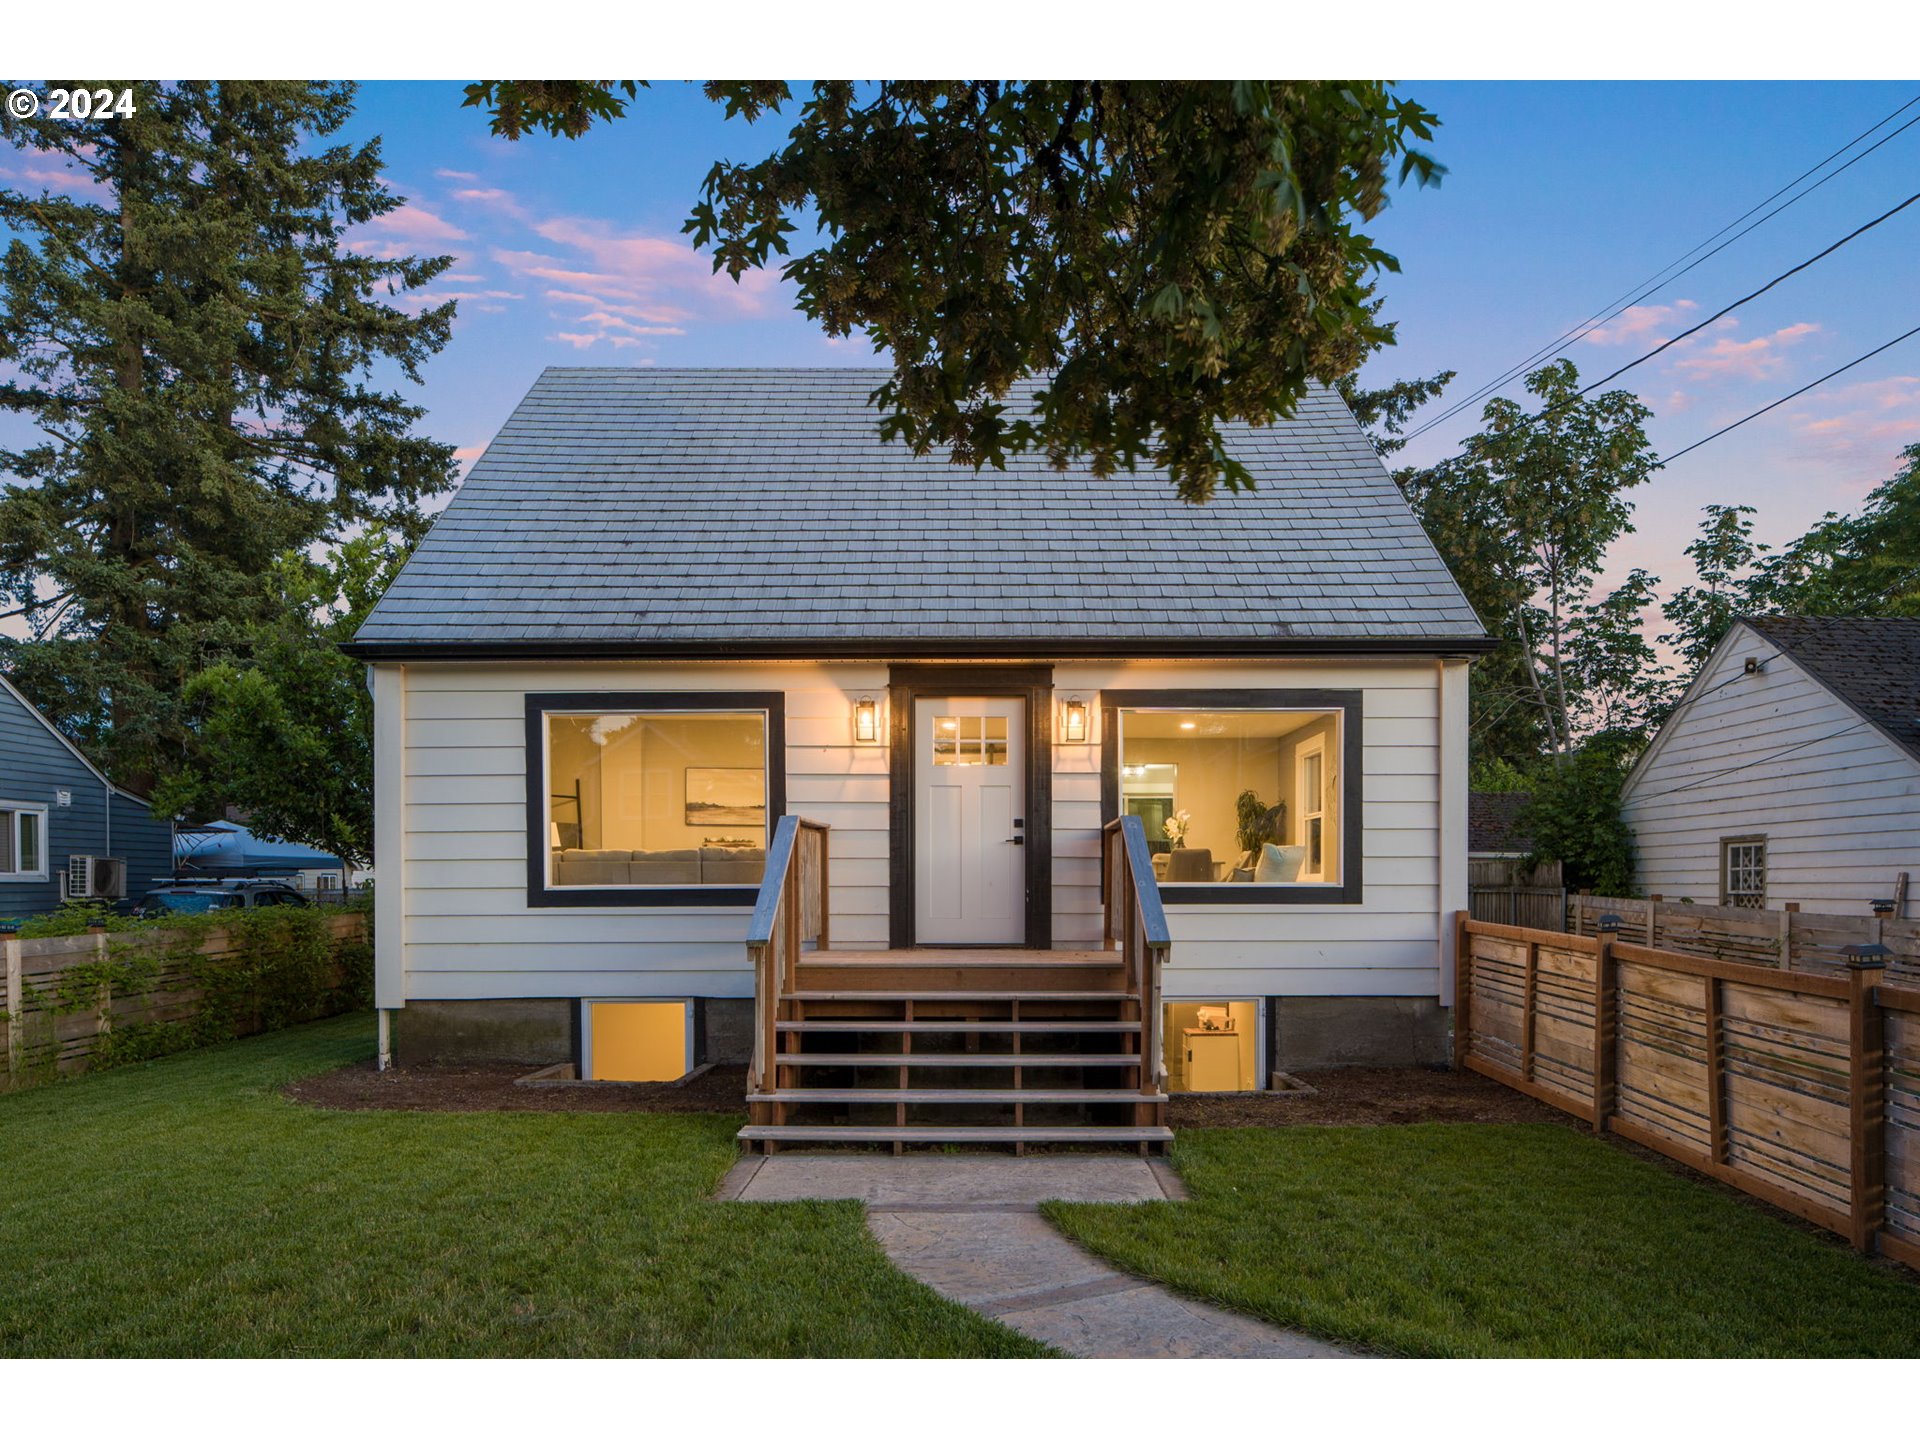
<point x="1749" y="764"/>
<point x="1661" y="279"/>
<point x="1794" y="396"/>
<point x="1754" y="295"/>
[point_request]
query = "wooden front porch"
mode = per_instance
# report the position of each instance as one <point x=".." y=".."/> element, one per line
<point x="957" y="1046"/>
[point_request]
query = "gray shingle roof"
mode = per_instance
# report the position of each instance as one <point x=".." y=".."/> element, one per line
<point x="655" y="509"/>
<point x="1872" y="664"/>
<point x="1493" y="822"/>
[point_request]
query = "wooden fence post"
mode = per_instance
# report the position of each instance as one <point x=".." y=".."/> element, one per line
<point x="1716" y="1076"/>
<point x="1866" y="1099"/>
<point x="16" y="1002"/>
<point x="1604" y="1013"/>
<point x="1462" y="989"/>
<point x="1528" y="1006"/>
<point x="1604" y="1033"/>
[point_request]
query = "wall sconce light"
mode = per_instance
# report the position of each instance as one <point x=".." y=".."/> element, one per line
<point x="866" y="720"/>
<point x="1075" y="723"/>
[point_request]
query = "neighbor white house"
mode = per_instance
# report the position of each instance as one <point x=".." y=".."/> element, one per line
<point x="670" y="607"/>
<point x="1790" y="771"/>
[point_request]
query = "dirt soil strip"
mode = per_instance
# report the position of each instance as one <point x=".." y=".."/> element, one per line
<point x="1343" y="1097"/>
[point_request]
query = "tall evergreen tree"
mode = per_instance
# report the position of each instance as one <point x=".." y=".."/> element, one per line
<point x="196" y="348"/>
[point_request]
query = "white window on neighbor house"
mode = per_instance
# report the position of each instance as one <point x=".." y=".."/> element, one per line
<point x="1743" y="871"/>
<point x="23" y="841"/>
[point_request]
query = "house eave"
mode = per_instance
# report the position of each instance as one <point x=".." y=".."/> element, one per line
<point x="922" y="647"/>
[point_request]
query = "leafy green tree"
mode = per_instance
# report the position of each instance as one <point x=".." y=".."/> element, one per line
<point x="193" y="344"/>
<point x="287" y="735"/>
<point x="1723" y="558"/>
<point x="1624" y="687"/>
<point x="1163" y="256"/>
<point x="1864" y="564"/>
<point x="1523" y="516"/>
<point x="1574" y="817"/>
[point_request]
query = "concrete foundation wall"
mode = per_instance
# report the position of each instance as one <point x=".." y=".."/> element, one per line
<point x="1323" y="1031"/>
<point x="542" y="1031"/>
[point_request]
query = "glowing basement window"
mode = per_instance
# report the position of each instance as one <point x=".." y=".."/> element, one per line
<point x="637" y="1040"/>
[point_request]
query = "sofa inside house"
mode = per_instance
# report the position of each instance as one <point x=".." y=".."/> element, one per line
<point x="707" y="865"/>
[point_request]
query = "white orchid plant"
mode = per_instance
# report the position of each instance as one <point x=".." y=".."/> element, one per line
<point x="1176" y="827"/>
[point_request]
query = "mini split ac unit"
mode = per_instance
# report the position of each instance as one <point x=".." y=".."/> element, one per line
<point x="95" y="877"/>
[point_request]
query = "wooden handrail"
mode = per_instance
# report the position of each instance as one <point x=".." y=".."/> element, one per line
<point x="1137" y="922"/>
<point x="783" y="921"/>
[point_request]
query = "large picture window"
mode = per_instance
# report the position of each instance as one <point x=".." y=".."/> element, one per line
<point x="1245" y="795"/>
<point x="653" y="798"/>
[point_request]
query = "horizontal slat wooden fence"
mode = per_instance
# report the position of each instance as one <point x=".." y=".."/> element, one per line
<point x="1800" y="1088"/>
<point x="1785" y="939"/>
<point x="45" y="1037"/>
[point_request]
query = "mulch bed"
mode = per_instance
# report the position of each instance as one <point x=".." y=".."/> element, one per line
<point x="491" y="1087"/>
<point x="1396" y="1096"/>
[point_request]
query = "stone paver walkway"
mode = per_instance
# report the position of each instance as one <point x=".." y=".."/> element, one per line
<point x="969" y="1226"/>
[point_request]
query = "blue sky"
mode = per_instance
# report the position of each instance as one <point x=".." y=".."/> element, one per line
<point x="1558" y="197"/>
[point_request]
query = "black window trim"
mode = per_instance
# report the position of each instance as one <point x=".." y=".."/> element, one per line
<point x="540" y="896"/>
<point x="1350" y="703"/>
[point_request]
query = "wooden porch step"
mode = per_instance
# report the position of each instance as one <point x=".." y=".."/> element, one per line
<point x="882" y="1096"/>
<point x="982" y="1062"/>
<point x="961" y="1134"/>
<point x="962" y="1027"/>
<point x="996" y="996"/>
<point x="929" y="959"/>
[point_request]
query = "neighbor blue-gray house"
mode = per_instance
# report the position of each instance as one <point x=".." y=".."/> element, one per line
<point x="65" y="829"/>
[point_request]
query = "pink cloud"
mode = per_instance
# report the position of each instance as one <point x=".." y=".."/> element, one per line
<point x="456" y="175"/>
<point x="1641" y="324"/>
<point x="613" y="286"/>
<point x="405" y="231"/>
<point x="1864" y="426"/>
<point x="1753" y="359"/>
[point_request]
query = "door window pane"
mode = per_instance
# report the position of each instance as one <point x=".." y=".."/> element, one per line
<point x="970" y="740"/>
<point x="656" y="798"/>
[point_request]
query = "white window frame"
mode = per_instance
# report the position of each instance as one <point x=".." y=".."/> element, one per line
<point x="1743" y="899"/>
<point x="14" y="809"/>
<point x="1315" y="749"/>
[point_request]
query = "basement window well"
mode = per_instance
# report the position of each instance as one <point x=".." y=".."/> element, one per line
<point x="636" y="1040"/>
<point x="1211" y="1046"/>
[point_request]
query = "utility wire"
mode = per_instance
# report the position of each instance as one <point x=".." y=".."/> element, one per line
<point x="1748" y="765"/>
<point x="1726" y="310"/>
<point x="1661" y="279"/>
<point x="1794" y="396"/>
<point x="1754" y="295"/>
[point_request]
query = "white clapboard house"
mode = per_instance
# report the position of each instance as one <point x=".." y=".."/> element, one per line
<point x="1789" y="772"/>
<point x="711" y="728"/>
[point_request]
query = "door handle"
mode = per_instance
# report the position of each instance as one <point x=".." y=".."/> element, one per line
<point x="1018" y="840"/>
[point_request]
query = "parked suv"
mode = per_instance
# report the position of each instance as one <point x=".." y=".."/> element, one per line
<point x="196" y="897"/>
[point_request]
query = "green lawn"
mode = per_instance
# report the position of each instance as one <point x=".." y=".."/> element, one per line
<point x="1536" y="1240"/>
<point x="183" y="1208"/>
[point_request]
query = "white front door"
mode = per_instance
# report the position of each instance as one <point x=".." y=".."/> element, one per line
<point x="969" y="818"/>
